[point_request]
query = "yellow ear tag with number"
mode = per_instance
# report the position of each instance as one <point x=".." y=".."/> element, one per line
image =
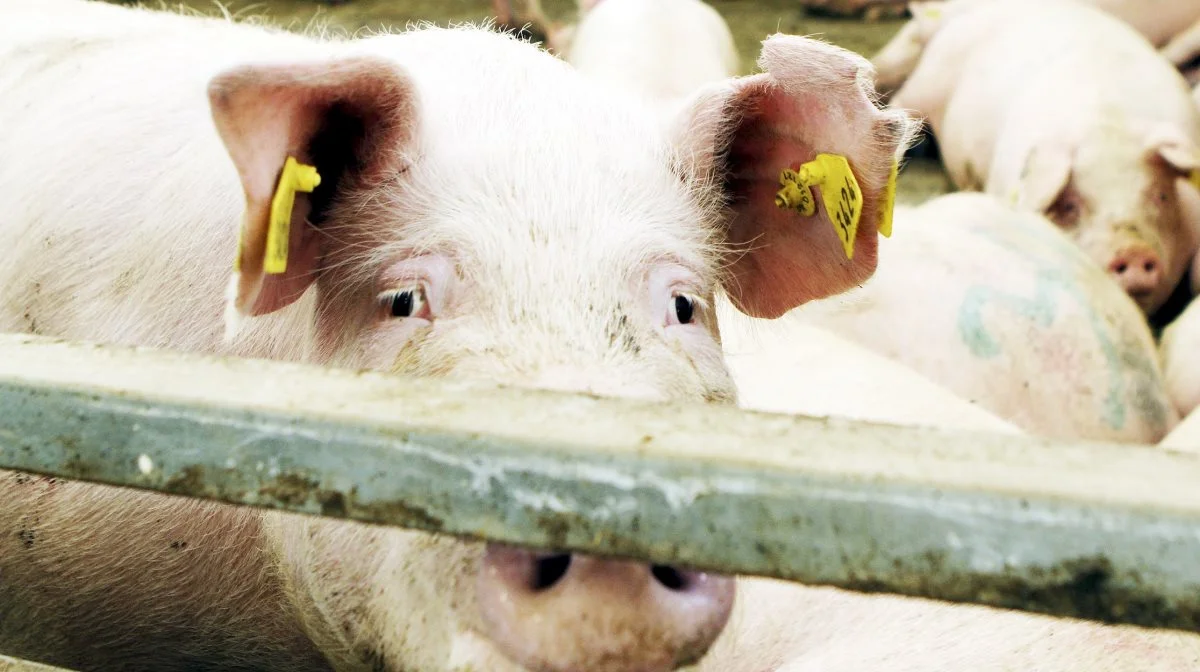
<point x="889" y="201"/>
<point x="295" y="177"/>
<point x="839" y="193"/>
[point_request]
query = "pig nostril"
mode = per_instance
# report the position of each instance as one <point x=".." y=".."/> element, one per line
<point x="550" y="570"/>
<point x="1121" y="268"/>
<point x="1149" y="266"/>
<point x="669" y="577"/>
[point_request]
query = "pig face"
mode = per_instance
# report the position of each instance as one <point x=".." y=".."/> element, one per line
<point x="1124" y="198"/>
<point x="507" y="223"/>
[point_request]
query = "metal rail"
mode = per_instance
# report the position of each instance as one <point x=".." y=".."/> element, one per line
<point x="8" y="664"/>
<point x="1096" y="531"/>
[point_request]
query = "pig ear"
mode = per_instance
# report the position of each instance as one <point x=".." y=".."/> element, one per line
<point x="1046" y="173"/>
<point x="349" y="119"/>
<point x="813" y="98"/>
<point x="1175" y="148"/>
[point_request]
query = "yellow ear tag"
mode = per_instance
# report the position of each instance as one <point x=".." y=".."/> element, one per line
<point x="1194" y="178"/>
<point x="295" y="177"/>
<point x="839" y="192"/>
<point x="889" y="201"/>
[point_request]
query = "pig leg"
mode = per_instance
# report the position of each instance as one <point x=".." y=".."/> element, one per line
<point x="900" y="56"/>
<point x="897" y="59"/>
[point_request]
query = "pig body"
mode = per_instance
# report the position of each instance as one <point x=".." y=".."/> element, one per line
<point x="1062" y="109"/>
<point x="1178" y="347"/>
<point x="1011" y="316"/>
<point x="1165" y="23"/>
<point x="482" y="212"/>
<point x="1186" y="435"/>
<point x="663" y="49"/>
<point x="791" y="366"/>
<point x="660" y="49"/>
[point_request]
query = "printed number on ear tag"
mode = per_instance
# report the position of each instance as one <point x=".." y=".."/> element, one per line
<point x="839" y="193"/>
<point x="295" y="177"/>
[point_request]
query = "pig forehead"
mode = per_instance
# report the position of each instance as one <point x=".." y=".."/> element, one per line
<point x="519" y="160"/>
<point x="505" y="233"/>
<point x="603" y="212"/>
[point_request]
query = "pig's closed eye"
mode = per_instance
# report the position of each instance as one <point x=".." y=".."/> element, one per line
<point x="1065" y="211"/>
<point x="409" y="302"/>
<point x="683" y="309"/>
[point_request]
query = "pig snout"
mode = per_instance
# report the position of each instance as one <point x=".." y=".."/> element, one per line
<point x="1138" y="270"/>
<point x="560" y="612"/>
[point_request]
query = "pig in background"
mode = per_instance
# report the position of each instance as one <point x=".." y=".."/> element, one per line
<point x="1065" y="110"/>
<point x="484" y="212"/>
<point x="1183" y="51"/>
<point x="998" y="306"/>
<point x="662" y="49"/>
<point x="1167" y="24"/>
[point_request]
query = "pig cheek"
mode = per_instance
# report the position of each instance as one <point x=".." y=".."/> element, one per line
<point x="1175" y="238"/>
<point x="395" y="345"/>
<point x="704" y="375"/>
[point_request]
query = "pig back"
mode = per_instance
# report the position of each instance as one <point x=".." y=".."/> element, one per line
<point x="1002" y="309"/>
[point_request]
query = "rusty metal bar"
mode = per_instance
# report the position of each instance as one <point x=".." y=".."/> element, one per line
<point x="1096" y="531"/>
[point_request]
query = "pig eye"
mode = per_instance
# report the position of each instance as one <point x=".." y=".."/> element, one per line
<point x="1065" y="211"/>
<point x="685" y="309"/>
<point x="404" y="303"/>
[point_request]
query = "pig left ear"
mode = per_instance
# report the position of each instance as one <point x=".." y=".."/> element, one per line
<point x="1046" y="172"/>
<point x="1175" y="148"/>
<point x="348" y="118"/>
<point x="812" y="99"/>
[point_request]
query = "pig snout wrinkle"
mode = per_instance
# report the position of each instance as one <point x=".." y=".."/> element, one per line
<point x="1137" y="270"/>
<point x="542" y="610"/>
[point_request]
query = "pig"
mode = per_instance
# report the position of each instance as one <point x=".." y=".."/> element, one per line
<point x="788" y="365"/>
<point x="1183" y="50"/>
<point x="662" y="49"/>
<point x="1011" y="316"/>
<point x="1062" y="109"/>
<point x="791" y="366"/>
<point x="468" y="206"/>
<point x="1162" y="22"/>
<point x="1178" y="347"/>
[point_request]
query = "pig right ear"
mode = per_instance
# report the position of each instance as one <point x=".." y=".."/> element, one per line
<point x="1046" y="172"/>
<point x="349" y="118"/>
<point x="741" y="135"/>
